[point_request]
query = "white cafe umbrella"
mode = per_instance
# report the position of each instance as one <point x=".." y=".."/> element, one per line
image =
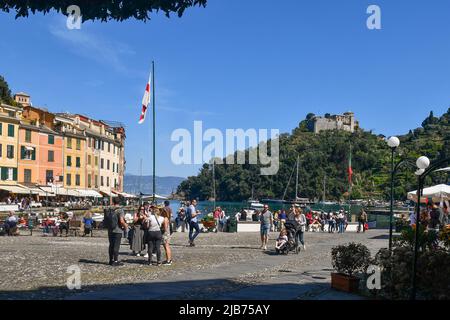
<point x="438" y="193"/>
<point x="150" y="198"/>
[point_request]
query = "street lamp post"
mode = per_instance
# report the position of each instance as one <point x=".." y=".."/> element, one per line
<point x="424" y="169"/>
<point x="393" y="143"/>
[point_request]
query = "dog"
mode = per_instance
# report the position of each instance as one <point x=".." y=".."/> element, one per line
<point x="316" y="227"/>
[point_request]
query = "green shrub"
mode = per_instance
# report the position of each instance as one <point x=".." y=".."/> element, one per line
<point x="350" y="259"/>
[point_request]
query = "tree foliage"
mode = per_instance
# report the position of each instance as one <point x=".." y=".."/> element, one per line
<point x="5" y="92"/>
<point x="324" y="156"/>
<point x="103" y="10"/>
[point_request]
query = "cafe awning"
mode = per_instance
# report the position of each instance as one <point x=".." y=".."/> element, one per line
<point x="89" y="193"/>
<point x="437" y="193"/>
<point x="15" y="189"/>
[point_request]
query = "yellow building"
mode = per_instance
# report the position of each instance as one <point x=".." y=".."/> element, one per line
<point x="74" y="153"/>
<point x="9" y="141"/>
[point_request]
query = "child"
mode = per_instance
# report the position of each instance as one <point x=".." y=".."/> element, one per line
<point x="282" y="239"/>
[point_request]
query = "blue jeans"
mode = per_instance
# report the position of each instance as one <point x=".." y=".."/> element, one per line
<point x="341" y="227"/>
<point x="193" y="225"/>
<point x="300" y="238"/>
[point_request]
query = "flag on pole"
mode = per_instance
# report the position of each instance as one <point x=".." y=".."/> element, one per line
<point x="145" y="101"/>
<point x="350" y="169"/>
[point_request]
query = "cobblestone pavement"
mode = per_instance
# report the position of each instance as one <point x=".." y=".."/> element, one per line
<point x="221" y="266"/>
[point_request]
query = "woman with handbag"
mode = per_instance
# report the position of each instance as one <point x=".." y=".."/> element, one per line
<point x="155" y="230"/>
<point x="301" y="220"/>
<point x="138" y="239"/>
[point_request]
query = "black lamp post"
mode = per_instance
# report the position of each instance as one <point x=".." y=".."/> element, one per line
<point x="393" y="143"/>
<point x="425" y="169"/>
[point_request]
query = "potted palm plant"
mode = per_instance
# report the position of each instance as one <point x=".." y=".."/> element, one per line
<point x="348" y="260"/>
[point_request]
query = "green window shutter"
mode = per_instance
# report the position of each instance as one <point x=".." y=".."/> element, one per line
<point x="1" y="128"/>
<point x="4" y="173"/>
<point x="33" y="154"/>
<point x="15" y="174"/>
<point x="22" y="152"/>
<point x="51" y="139"/>
<point x="10" y="130"/>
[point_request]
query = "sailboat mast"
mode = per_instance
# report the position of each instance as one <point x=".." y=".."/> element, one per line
<point x="214" y="184"/>
<point x="296" y="182"/>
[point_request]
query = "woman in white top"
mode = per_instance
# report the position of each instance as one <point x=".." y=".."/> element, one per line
<point x="301" y="219"/>
<point x="154" y="235"/>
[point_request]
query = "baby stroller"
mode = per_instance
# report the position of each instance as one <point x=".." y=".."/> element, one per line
<point x="292" y="227"/>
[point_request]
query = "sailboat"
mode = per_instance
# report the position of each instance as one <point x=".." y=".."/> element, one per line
<point x="298" y="200"/>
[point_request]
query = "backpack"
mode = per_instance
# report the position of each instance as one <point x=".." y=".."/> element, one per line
<point x="111" y="219"/>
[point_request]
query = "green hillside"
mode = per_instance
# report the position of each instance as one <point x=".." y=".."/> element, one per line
<point x="326" y="154"/>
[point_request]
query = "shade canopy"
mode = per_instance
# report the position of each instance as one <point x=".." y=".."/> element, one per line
<point x="15" y="189"/>
<point x="150" y="197"/>
<point x="89" y="193"/>
<point x="437" y="193"/>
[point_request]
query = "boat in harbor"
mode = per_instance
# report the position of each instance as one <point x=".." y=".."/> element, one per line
<point x="302" y="202"/>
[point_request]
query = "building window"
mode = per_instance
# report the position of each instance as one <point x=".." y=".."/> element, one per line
<point x="51" y="139"/>
<point x="96" y="161"/>
<point x="102" y="163"/>
<point x="78" y="144"/>
<point x="1" y="128"/>
<point x="11" y="130"/>
<point x="77" y="180"/>
<point x="49" y="176"/>
<point x="51" y="156"/>
<point x="11" y="175"/>
<point x="102" y="181"/>
<point x="69" y="143"/>
<point x="115" y="183"/>
<point x="89" y="181"/>
<point x="69" y="161"/>
<point x="107" y="181"/>
<point x="109" y="147"/>
<point x="27" y="153"/>
<point x="89" y="160"/>
<point x="103" y="145"/>
<point x="1" y="150"/>
<point x="108" y="165"/>
<point x="27" y="175"/>
<point x="96" y="181"/>
<point x="10" y="152"/>
<point x="114" y="167"/>
<point x="69" y="179"/>
<point x="27" y="135"/>
<point x="89" y="142"/>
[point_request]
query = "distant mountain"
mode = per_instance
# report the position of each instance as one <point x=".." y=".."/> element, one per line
<point x="164" y="185"/>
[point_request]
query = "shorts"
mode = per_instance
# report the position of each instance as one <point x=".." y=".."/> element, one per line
<point x="166" y="237"/>
<point x="265" y="229"/>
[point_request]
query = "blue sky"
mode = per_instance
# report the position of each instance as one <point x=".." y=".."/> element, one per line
<point x="237" y="64"/>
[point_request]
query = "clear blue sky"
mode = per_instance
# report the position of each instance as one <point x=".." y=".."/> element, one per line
<point x="238" y="64"/>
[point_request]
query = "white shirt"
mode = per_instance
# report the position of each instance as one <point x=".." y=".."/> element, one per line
<point x="154" y="224"/>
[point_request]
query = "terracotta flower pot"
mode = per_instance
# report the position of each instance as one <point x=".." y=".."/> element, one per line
<point x="344" y="283"/>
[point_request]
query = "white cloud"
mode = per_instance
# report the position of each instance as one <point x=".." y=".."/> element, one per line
<point x="90" y="46"/>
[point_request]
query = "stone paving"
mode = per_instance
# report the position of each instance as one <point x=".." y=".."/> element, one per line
<point x="222" y="267"/>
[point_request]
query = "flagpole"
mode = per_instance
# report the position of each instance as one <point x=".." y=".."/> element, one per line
<point x="154" y="124"/>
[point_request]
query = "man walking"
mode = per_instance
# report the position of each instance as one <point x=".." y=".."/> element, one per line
<point x="115" y="222"/>
<point x="362" y="220"/>
<point x="266" y="219"/>
<point x="191" y="217"/>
